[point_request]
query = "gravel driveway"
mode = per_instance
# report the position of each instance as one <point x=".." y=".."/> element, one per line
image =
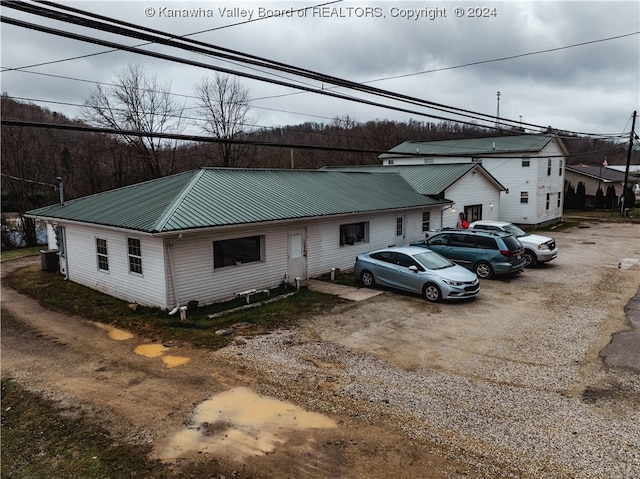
<point x="513" y="381"/>
<point x="511" y="384"/>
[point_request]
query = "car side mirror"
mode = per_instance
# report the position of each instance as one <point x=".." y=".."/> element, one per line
<point x="413" y="268"/>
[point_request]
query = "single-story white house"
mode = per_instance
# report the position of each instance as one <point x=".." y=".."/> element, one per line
<point x="598" y="176"/>
<point x="207" y="234"/>
<point x="531" y="167"/>
<point x="469" y="187"/>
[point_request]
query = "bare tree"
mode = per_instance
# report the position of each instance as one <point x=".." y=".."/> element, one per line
<point x="224" y="105"/>
<point x="137" y="102"/>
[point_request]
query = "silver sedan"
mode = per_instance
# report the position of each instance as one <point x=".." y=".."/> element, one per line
<point x="417" y="270"/>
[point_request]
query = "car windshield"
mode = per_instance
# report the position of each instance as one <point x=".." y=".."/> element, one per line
<point x="431" y="260"/>
<point x="514" y="230"/>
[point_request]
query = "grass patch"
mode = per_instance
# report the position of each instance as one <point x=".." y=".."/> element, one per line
<point x="20" y="253"/>
<point x="40" y="438"/>
<point x="53" y="292"/>
<point x="346" y="278"/>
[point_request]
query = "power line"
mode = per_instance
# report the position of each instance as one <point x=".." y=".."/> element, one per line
<point x="207" y="139"/>
<point x="226" y="54"/>
<point x="510" y="57"/>
<point x="204" y="48"/>
<point x="185" y="61"/>
<point x="27" y="181"/>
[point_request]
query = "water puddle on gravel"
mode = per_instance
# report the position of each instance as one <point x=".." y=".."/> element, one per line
<point x="174" y="361"/>
<point x="157" y="350"/>
<point x="115" y="333"/>
<point x="240" y="423"/>
<point x="151" y="350"/>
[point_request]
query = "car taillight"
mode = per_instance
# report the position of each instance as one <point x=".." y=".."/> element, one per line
<point x="506" y="252"/>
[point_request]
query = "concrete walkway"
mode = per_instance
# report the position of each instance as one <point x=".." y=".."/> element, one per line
<point x="345" y="292"/>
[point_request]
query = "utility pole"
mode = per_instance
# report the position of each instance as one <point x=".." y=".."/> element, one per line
<point x="626" y="171"/>
<point x="498" y="112"/>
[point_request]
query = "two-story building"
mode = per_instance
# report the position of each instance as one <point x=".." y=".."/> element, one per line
<point x="531" y="167"/>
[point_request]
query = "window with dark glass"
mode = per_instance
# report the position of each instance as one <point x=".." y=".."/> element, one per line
<point x="399" y="224"/>
<point x="426" y="220"/>
<point x="102" y="254"/>
<point x="353" y="233"/>
<point x="135" y="255"/>
<point x="237" y="251"/>
<point x="524" y="197"/>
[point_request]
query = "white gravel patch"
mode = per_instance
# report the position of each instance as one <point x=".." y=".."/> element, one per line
<point x="504" y="430"/>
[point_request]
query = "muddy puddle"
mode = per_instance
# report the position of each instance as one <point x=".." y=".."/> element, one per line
<point x="146" y="350"/>
<point x="115" y="333"/>
<point x="240" y="423"/>
<point x="157" y="350"/>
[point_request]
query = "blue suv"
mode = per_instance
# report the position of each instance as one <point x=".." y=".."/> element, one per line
<point x="486" y="253"/>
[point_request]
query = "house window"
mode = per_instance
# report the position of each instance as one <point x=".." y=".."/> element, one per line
<point x="524" y="197"/>
<point x="354" y="233"/>
<point x="526" y="162"/>
<point x="135" y="255"/>
<point x="426" y="220"/>
<point x="390" y="162"/>
<point x="399" y="224"/>
<point x="102" y="255"/>
<point x="237" y="251"/>
<point x="549" y="166"/>
<point x="473" y="213"/>
<point x="559" y="196"/>
<point x="548" y="200"/>
<point x="560" y="169"/>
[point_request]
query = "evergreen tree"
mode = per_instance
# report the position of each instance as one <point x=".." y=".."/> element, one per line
<point x="569" y="197"/>
<point x="599" y="198"/>
<point x="581" y="196"/>
<point x="610" y="199"/>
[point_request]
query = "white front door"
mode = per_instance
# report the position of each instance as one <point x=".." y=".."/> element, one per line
<point x="297" y="254"/>
<point x="400" y="226"/>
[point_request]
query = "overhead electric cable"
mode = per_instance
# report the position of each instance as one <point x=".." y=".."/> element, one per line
<point x="208" y="139"/>
<point x="244" y="58"/>
<point x="185" y="61"/>
<point x="155" y="36"/>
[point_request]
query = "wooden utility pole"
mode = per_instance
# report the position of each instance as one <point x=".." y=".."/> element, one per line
<point x="626" y="171"/>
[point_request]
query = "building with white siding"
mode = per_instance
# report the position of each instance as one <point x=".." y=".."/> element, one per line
<point x="468" y="186"/>
<point x="531" y="167"/>
<point x="207" y="234"/>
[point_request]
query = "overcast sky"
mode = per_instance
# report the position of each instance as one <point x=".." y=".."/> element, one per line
<point x="414" y="48"/>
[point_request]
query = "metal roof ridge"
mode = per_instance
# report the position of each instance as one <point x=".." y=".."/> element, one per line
<point x="175" y="204"/>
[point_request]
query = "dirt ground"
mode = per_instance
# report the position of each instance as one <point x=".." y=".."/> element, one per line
<point x="152" y="395"/>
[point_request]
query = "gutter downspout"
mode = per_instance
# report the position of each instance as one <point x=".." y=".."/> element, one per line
<point x="172" y="275"/>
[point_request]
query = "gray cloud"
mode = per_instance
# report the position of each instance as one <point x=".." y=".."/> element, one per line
<point x="591" y="88"/>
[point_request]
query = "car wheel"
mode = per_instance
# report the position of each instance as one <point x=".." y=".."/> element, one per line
<point x="530" y="258"/>
<point x="431" y="292"/>
<point x="484" y="270"/>
<point x="367" y="279"/>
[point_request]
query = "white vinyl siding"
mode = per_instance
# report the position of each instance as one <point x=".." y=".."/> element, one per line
<point x="197" y="280"/>
<point x="471" y="190"/>
<point x="147" y="290"/>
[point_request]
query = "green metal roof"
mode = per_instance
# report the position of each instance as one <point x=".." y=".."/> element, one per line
<point x="431" y="179"/>
<point x="218" y="197"/>
<point x="473" y="146"/>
